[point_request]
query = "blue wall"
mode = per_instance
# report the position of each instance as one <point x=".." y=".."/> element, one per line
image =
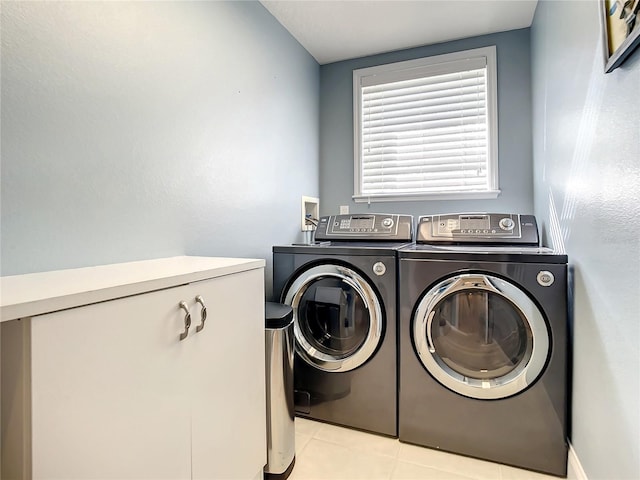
<point x="148" y="129"/>
<point x="134" y="130"/>
<point x="514" y="129"/>
<point x="587" y="199"/>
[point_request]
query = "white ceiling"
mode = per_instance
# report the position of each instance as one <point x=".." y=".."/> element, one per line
<point x="334" y="30"/>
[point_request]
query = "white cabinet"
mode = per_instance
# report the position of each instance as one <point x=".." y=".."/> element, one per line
<point x="111" y="390"/>
<point x="228" y="401"/>
<point x="114" y="393"/>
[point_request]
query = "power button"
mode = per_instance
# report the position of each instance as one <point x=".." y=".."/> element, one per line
<point x="545" y="278"/>
<point x="379" y="268"/>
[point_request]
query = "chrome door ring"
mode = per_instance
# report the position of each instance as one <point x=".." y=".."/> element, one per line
<point x="308" y="352"/>
<point x="525" y="373"/>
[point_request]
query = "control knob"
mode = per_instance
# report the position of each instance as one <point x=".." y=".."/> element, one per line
<point x="387" y="222"/>
<point x="507" y="224"/>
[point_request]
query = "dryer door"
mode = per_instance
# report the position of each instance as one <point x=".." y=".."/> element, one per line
<point x="480" y="336"/>
<point x="337" y="317"/>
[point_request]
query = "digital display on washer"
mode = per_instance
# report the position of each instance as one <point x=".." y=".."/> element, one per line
<point x="475" y="222"/>
<point x="358" y="223"/>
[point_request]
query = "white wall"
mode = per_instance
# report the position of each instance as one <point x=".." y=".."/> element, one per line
<point x="134" y="130"/>
<point x="587" y="197"/>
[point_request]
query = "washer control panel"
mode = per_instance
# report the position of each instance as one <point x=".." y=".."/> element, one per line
<point x="374" y="226"/>
<point x="484" y="228"/>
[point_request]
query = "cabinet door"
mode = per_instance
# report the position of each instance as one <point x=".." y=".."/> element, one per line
<point x="228" y="405"/>
<point x="110" y="390"/>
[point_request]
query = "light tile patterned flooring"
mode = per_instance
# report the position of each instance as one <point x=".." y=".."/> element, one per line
<point x="328" y="452"/>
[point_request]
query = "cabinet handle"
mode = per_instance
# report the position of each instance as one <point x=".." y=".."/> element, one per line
<point x="187" y="320"/>
<point x="203" y="313"/>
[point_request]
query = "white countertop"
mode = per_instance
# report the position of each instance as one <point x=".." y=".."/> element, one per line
<point x="36" y="293"/>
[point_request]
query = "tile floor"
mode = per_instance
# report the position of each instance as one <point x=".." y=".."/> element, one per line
<point x="328" y="452"/>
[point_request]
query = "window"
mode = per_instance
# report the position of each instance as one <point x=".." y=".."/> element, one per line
<point x="427" y="128"/>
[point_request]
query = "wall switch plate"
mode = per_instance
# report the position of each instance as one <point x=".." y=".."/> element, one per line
<point x="344" y="209"/>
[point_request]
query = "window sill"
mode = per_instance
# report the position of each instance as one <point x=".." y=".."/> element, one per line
<point x="489" y="194"/>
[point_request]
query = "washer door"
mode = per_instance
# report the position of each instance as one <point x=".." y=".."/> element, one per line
<point x="480" y="336"/>
<point x="337" y="317"/>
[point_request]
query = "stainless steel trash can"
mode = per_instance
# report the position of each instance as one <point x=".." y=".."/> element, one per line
<point x="279" y="380"/>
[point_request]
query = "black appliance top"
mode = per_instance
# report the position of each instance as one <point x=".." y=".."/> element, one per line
<point x="483" y="253"/>
<point x="343" y="248"/>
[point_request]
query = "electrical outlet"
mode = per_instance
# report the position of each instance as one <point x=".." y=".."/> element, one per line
<point x="344" y="209"/>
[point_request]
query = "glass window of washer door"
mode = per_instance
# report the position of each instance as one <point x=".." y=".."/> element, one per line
<point x="333" y="317"/>
<point x="480" y="335"/>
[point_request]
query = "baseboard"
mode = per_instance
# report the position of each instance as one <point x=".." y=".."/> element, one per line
<point x="575" y="470"/>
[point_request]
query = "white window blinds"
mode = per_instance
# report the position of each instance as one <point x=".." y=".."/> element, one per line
<point x="424" y="128"/>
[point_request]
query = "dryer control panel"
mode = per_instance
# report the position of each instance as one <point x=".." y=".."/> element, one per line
<point x="479" y="228"/>
<point x="370" y="226"/>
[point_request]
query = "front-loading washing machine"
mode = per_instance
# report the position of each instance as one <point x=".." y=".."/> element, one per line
<point x="343" y="293"/>
<point x="483" y="339"/>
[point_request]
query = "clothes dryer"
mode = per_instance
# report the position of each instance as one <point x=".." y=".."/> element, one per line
<point x="483" y="334"/>
<point x="343" y="293"/>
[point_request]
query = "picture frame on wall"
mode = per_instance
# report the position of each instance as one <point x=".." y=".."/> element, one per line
<point x="620" y="21"/>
